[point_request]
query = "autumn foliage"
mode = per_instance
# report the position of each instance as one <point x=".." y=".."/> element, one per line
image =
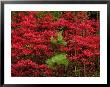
<point x="55" y="43"/>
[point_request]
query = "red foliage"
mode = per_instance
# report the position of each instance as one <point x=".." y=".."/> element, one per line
<point x="29" y="68"/>
<point x="31" y="36"/>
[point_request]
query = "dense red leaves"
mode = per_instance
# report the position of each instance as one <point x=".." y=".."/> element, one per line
<point x="29" y="68"/>
<point x="31" y="38"/>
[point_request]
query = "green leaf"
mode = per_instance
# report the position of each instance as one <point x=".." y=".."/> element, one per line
<point x="57" y="60"/>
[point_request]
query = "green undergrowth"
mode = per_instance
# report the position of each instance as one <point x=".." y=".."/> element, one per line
<point x="59" y="39"/>
<point x="57" y="59"/>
